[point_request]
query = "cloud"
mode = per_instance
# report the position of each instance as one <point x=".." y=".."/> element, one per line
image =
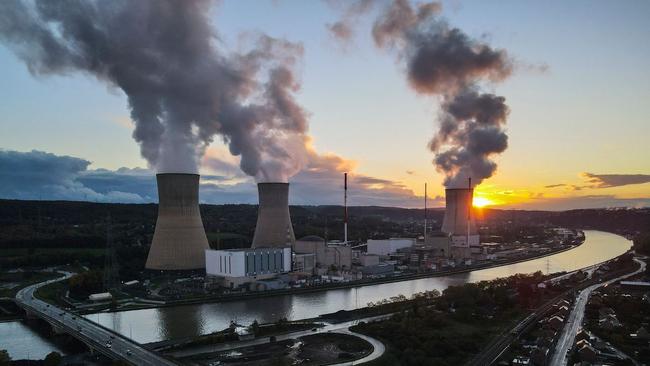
<point x="614" y="180"/>
<point x="596" y="181"/>
<point x="350" y="10"/>
<point x="42" y="175"/>
<point x="542" y="202"/>
<point x="321" y="183"/>
<point x="37" y="175"/>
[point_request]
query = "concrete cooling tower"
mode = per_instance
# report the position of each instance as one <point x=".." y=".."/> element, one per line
<point x="274" y="227"/>
<point x="459" y="222"/>
<point x="179" y="241"/>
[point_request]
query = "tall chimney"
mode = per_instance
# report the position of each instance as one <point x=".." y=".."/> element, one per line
<point x="274" y="227"/>
<point x="345" y="207"/>
<point x="425" y="213"/>
<point x="179" y="241"/>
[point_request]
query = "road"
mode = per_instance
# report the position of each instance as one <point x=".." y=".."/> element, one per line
<point x="378" y="347"/>
<point x="574" y="322"/>
<point x="92" y="334"/>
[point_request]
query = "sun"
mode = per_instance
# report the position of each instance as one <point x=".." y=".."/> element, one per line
<point x="481" y="202"/>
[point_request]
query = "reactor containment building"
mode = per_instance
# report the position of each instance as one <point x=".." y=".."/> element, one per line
<point x="179" y="240"/>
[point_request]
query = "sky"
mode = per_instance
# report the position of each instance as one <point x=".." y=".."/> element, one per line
<point x="577" y="128"/>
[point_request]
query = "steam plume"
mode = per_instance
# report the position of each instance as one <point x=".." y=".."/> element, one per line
<point x="182" y="88"/>
<point x="443" y="61"/>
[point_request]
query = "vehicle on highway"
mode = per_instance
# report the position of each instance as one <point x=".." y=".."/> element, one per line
<point x="128" y="352"/>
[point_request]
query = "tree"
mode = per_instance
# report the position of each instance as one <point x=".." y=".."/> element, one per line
<point x="254" y="327"/>
<point x="53" y="359"/>
<point x="5" y="359"/>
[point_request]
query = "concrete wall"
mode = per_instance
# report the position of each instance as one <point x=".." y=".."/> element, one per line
<point x="179" y="240"/>
<point x="458" y="208"/>
<point x="388" y="246"/>
<point x="274" y="228"/>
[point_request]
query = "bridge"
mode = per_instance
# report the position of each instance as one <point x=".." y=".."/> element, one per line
<point x="96" y="337"/>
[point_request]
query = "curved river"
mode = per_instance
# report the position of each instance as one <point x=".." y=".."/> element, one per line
<point x="151" y="325"/>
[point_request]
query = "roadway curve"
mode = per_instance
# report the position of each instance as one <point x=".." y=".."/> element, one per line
<point x="92" y="334"/>
<point x="574" y="322"/>
<point x="343" y="328"/>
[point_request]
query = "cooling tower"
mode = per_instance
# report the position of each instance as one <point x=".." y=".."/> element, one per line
<point x="459" y="222"/>
<point x="179" y="241"/>
<point x="274" y="227"/>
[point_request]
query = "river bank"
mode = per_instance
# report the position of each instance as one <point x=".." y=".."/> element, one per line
<point x="332" y="286"/>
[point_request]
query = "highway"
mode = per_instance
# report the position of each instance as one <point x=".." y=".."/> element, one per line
<point x="100" y="339"/>
<point x="573" y="324"/>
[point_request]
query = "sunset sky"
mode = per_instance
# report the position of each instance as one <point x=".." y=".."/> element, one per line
<point x="579" y="124"/>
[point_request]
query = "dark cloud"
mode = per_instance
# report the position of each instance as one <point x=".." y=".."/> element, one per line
<point x="614" y="180"/>
<point x="183" y="89"/>
<point x="41" y="175"/>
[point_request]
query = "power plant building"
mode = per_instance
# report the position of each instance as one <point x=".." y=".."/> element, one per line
<point x="237" y="267"/>
<point x="273" y="227"/>
<point x="386" y="247"/>
<point x="179" y="240"/>
<point x="459" y="223"/>
<point x="325" y="255"/>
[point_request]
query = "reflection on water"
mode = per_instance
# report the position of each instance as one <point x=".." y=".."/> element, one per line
<point x="24" y="343"/>
<point x="150" y="325"/>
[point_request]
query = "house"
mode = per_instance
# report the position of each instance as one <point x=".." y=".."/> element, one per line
<point x="556" y="322"/>
<point x="540" y="356"/>
<point x="641" y="333"/>
<point x="609" y="322"/>
<point x="582" y="335"/>
<point x="587" y="353"/>
<point x="604" y="311"/>
<point x="563" y="311"/>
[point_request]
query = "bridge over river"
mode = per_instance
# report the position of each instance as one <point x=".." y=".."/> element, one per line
<point x="95" y="336"/>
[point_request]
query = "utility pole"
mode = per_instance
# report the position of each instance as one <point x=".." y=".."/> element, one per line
<point x="425" y="213"/>
<point x="345" y="208"/>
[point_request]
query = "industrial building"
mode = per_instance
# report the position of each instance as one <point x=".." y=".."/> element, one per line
<point x="273" y="227"/>
<point x="385" y="247"/>
<point x="179" y="240"/>
<point x="459" y="223"/>
<point x="234" y="268"/>
<point x="325" y="254"/>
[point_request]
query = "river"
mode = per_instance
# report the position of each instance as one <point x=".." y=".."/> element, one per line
<point x="151" y="325"/>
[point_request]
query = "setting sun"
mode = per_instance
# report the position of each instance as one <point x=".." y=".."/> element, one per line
<point x="481" y="202"/>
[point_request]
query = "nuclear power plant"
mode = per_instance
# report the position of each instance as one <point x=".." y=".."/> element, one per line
<point x="179" y="240"/>
<point x="273" y="229"/>
<point x="459" y="222"/>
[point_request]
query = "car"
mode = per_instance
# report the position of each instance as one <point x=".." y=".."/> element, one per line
<point x="128" y="352"/>
<point x="112" y="337"/>
<point x="313" y="329"/>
